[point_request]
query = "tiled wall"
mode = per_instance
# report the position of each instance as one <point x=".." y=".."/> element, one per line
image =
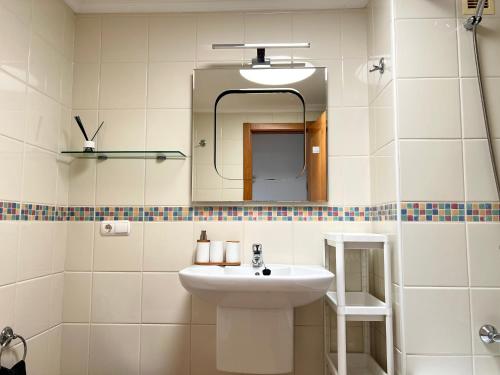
<point x="36" y="65"/>
<point x="124" y="308"/>
<point x="450" y="283"/>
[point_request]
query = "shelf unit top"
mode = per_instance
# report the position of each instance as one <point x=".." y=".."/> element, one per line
<point x="355" y="237"/>
<point x="132" y="154"/>
<point x="359" y="303"/>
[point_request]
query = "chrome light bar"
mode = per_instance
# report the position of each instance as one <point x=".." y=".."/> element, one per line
<point x="259" y="45"/>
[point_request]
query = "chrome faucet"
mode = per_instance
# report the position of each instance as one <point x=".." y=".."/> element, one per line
<point x="257" y="258"/>
<point x="489" y="334"/>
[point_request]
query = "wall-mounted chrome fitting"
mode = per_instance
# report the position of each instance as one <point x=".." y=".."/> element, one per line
<point x="380" y="67"/>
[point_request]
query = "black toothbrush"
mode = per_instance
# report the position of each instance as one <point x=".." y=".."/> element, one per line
<point x="79" y="122"/>
<point x="97" y="131"/>
<point x="82" y="128"/>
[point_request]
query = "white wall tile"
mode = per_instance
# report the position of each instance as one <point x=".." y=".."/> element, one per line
<point x="11" y="163"/>
<point x="159" y="306"/>
<point x="124" y="38"/>
<point x="9" y="233"/>
<point x="309" y="357"/>
<point x="114" y="349"/>
<point x="77" y="289"/>
<point x="35" y="249"/>
<point x="414" y="40"/>
<point x="165" y="349"/>
<point x="75" y="349"/>
<point x="168" y="246"/>
<point x="20" y="8"/>
<point x="433" y="365"/>
<point x="348" y="132"/>
<point x="8" y="295"/>
<point x="45" y="67"/>
<point x="431" y="171"/>
<point x="431" y="313"/>
<point x="116" y="298"/>
<point x="472" y="112"/>
<point x="354" y="34"/>
<point x="354" y="83"/>
<point x="59" y="253"/>
<point x="325" y="37"/>
<point x="169" y="129"/>
<point x="32" y="306"/>
<point x="168" y="183"/>
<point x="48" y="21"/>
<point x="122" y="129"/>
<point x="56" y="299"/>
<point x="488" y="35"/>
<point x="276" y="240"/>
<point x="483" y="241"/>
<point x="14" y="44"/>
<point x="120" y="182"/>
<point x="429" y="108"/>
<point x="43" y="120"/>
<point x="86" y="85"/>
<point x="12" y="107"/>
<point x="40" y="176"/>
<point x="203" y="350"/>
<point x="170" y="85"/>
<point x="172" y="38"/>
<point x="118" y="253"/>
<point x="434" y="254"/>
<point x="479" y="180"/>
<point x="219" y="28"/>
<point x="82" y="182"/>
<point x="267" y="28"/>
<point x="116" y="92"/>
<point x="80" y="242"/>
<point x="87" y="39"/>
<point x="484" y="312"/>
<point x="425" y="9"/>
<point x="486" y="365"/>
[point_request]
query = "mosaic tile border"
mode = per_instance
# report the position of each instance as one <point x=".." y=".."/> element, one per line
<point x="410" y="212"/>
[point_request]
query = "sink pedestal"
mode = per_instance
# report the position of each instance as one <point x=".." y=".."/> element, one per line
<point x="255" y="341"/>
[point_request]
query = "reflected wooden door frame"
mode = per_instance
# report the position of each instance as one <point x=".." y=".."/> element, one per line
<point x="259" y="128"/>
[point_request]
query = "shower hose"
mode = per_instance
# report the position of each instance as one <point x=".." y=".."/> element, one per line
<point x="485" y="112"/>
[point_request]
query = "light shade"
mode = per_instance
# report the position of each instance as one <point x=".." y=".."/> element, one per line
<point x="276" y="76"/>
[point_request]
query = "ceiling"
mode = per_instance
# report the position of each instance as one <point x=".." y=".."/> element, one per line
<point x="152" y="6"/>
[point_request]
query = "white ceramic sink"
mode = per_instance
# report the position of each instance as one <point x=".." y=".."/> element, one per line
<point x="255" y="312"/>
<point x="246" y="287"/>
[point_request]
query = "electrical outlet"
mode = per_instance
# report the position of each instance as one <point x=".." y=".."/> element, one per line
<point x="115" y="228"/>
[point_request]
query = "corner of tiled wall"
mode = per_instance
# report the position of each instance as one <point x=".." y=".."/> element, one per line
<point x="36" y="76"/>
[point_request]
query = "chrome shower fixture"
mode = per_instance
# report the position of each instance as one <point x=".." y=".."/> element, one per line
<point x="471" y="25"/>
<point x="261" y="59"/>
<point x="477" y="18"/>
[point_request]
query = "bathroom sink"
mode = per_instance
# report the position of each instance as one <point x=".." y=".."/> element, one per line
<point x="255" y="311"/>
<point x="246" y="287"/>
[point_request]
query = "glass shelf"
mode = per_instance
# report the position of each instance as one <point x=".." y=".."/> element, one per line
<point x="105" y="155"/>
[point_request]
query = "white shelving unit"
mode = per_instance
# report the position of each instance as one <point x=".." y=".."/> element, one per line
<point x="357" y="306"/>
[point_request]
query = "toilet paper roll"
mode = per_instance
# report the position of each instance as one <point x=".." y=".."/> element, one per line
<point x="233" y="251"/>
<point x="216" y="251"/>
<point x="202" y="251"/>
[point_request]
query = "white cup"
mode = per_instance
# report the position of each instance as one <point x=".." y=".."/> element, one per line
<point x="203" y="252"/>
<point x="233" y="251"/>
<point x="216" y="251"/>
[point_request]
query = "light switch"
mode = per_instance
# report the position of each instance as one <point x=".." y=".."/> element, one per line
<point x="316" y="150"/>
<point x="115" y="228"/>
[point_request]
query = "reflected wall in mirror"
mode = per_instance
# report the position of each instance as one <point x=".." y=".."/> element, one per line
<point x="258" y="142"/>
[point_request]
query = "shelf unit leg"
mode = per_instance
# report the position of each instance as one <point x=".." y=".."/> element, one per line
<point x="388" y="301"/>
<point x="389" y="344"/>
<point x="341" y="345"/>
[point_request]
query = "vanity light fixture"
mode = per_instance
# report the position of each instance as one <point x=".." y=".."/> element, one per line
<point x="262" y="71"/>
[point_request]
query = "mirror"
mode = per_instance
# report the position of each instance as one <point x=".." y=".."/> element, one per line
<point x="260" y="135"/>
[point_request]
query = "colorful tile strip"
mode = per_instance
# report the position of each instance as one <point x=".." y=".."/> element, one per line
<point x="119" y="213"/>
<point x="410" y="212"/>
<point x="37" y="212"/>
<point x="10" y="211"/>
<point x="168" y="213"/>
<point x="433" y="212"/>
